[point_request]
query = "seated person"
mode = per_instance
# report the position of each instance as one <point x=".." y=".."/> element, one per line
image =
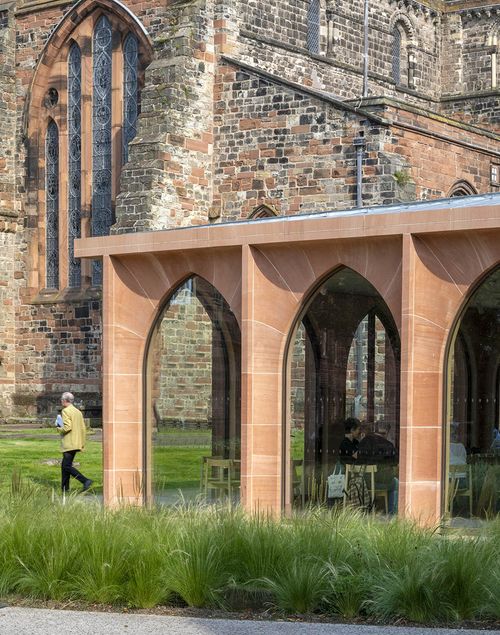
<point x="376" y="449"/>
<point x="348" y="450"/>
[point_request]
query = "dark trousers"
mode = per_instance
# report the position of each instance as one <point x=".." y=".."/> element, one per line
<point x="67" y="470"/>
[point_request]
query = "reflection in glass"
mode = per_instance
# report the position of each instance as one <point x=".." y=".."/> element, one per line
<point x="472" y="482"/>
<point x="344" y="390"/>
<point x="193" y="434"/>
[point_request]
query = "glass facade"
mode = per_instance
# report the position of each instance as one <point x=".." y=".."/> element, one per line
<point x="194" y="368"/>
<point x="344" y="399"/>
<point x="472" y="478"/>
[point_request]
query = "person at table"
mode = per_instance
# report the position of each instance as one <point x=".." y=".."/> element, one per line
<point x="348" y="450"/>
<point x="376" y="449"/>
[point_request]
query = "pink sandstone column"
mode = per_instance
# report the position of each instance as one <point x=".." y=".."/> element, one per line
<point x="421" y="394"/>
<point x="124" y="317"/>
<point x="261" y="408"/>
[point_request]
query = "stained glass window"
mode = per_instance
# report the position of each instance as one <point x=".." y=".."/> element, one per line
<point x="52" y="205"/>
<point x="101" y="136"/>
<point x="130" y="86"/>
<point x="74" y="160"/>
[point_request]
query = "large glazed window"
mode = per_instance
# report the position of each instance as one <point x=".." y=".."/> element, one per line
<point x="88" y="86"/>
<point x="193" y="393"/>
<point x="472" y="475"/>
<point x="343" y="367"/>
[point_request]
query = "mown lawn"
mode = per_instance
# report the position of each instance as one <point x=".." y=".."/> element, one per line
<point x="28" y="458"/>
<point x="32" y="453"/>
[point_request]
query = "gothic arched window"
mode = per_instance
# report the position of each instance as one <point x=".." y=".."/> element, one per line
<point x="85" y="101"/>
<point x="462" y="188"/>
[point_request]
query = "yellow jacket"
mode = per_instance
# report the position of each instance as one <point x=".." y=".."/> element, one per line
<point x="73" y="432"/>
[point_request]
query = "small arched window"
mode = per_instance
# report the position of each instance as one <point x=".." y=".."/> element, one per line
<point x="87" y="86"/>
<point x="263" y="211"/>
<point x="402" y="54"/>
<point x="313" y="26"/>
<point x="397" y="42"/>
<point x="462" y="188"/>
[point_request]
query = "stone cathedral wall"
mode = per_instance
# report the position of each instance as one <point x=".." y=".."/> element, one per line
<point x="237" y="112"/>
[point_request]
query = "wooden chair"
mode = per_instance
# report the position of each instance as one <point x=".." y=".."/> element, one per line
<point x="374" y="491"/>
<point x="456" y="487"/>
<point x="366" y="476"/>
<point x="220" y="475"/>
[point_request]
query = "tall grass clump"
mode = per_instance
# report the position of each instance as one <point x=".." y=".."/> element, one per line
<point x="196" y="568"/>
<point x="465" y="572"/>
<point x="299" y="586"/>
<point x="318" y="561"/>
<point x="99" y="571"/>
<point x="149" y="545"/>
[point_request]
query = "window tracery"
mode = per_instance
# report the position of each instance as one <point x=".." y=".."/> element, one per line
<point x="74" y="160"/>
<point x="52" y="205"/>
<point x="101" y="136"/>
<point x="83" y="113"/>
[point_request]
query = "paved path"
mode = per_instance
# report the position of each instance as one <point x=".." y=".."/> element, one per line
<point x="22" y="621"/>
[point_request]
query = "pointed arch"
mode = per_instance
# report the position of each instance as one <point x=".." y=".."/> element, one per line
<point x="63" y="89"/>
<point x="193" y="368"/>
<point x="263" y="211"/>
<point x="462" y="188"/>
<point x="344" y="346"/>
<point x="472" y="415"/>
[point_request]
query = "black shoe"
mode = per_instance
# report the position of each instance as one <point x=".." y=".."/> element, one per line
<point x="87" y="485"/>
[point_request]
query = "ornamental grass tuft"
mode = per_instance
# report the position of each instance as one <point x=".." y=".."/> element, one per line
<point x="318" y="561"/>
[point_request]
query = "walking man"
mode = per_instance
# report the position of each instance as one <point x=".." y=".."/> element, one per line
<point x="73" y="434"/>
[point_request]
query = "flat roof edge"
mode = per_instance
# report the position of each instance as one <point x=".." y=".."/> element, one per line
<point x="441" y="215"/>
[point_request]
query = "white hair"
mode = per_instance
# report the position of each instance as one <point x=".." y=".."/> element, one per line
<point x="68" y="396"/>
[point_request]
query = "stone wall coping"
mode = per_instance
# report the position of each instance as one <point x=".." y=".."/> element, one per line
<point x="464" y="96"/>
<point x="423" y="217"/>
<point x="431" y="114"/>
<point x="312" y="92"/>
